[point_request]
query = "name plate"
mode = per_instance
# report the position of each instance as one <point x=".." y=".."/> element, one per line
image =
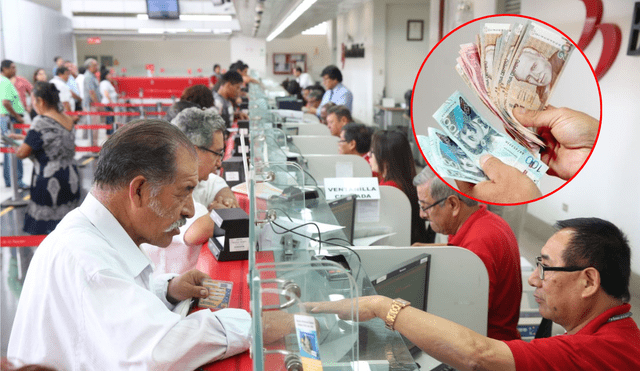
<point x="363" y="188"/>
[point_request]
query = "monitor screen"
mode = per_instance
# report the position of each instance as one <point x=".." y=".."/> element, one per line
<point x="163" y="9"/>
<point x="409" y="281"/>
<point x="294" y="105"/>
<point x="344" y="209"/>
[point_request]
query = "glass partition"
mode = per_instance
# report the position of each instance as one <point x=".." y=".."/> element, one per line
<point x="299" y="254"/>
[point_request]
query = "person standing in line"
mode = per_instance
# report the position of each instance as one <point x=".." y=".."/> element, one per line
<point x="50" y="143"/>
<point x="11" y="111"/>
<point x="109" y="95"/>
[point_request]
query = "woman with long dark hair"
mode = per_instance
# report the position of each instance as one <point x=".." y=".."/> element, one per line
<point x="55" y="184"/>
<point x="391" y="158"/>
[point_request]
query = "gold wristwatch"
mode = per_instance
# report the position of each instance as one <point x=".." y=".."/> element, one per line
<point x="396" y="307"/>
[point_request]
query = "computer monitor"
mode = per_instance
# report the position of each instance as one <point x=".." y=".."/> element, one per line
<point x="344" y="210"/>
<point x="409" y="281"/>
<point x="294" y="105"/>
<point x="163" y="9"/>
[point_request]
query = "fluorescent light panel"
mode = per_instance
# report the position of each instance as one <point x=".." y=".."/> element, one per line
<point x="306" y="4"/>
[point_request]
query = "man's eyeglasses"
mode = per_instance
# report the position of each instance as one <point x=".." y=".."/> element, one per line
<point x="425" y="208"/>
<point x="219" y="154"/>
<point x="541" y="268"/>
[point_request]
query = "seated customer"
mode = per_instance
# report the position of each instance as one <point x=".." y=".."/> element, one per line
<point x="392" y="160"/>
<point x="89" y="300"/>
<point x="205" y="129"/>
<point x="212" y="191"/>
<point x="337" y="117"/>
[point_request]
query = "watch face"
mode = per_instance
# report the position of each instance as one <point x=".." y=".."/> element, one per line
<point x="403" y="302"/>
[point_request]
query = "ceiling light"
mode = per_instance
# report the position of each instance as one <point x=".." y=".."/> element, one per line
<point x="306" y="4"/>
<point x="206" y="17"/>
<point x="143" y="17"/>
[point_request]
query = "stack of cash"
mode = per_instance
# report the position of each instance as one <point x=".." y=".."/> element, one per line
<point x="514" y="65"/>
<point x="455" y="151"/>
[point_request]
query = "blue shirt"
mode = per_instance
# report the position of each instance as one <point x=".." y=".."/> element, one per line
<point x="339" y="95"/>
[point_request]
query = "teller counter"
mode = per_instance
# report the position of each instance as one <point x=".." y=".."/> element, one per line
<point x="299" y="254"/>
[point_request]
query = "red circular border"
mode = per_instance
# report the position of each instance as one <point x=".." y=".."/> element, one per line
<point x="533" y="19"/>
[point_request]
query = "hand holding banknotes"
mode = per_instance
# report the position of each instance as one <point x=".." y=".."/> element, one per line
<point x="186" y="286"/>
<point x="569" y="136"/>
<point x="506" y="184"/>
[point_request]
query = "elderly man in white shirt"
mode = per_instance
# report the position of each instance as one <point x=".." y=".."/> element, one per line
<point x="60" y="81"/>
<point x="90" y="302"/>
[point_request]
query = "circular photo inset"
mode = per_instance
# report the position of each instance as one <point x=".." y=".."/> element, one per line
<point x="506" y="109"/>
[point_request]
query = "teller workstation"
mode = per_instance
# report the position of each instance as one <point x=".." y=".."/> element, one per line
<point x="304" y="246"/>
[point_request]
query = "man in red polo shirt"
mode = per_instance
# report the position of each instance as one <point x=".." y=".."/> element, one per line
<point x="486" y="234"/>
<point x="582" y="284"/>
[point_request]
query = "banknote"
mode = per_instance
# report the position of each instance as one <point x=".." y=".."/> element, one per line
<point x="535" y="68"/>
<point x="425" y="144"/>
<point x="447" y="154"/>
<point x="511" y="65"/>
<point x="520" y="65"/>
<point x="491" y="34"/>
<point x="475" y="137"/>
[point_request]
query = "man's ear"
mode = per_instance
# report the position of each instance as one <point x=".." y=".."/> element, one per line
<point x="455" y="205"/>
<point x="138" y="191"/>
<point x="590" y="282"/>
<point x="352" y="145"/>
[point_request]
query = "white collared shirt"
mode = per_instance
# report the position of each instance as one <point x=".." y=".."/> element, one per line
<point x="89" y="302"/>
<point x="64" y="92"/>
<point x="304" y="80"/>
<point x="206" y="190"/>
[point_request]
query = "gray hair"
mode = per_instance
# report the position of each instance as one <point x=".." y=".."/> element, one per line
<point x="316" y="94"/>
<point x="199" y="125"/>
<point x="89" y="61"/>
<point x="438" y="188"/>
<point x="146" y="147"/>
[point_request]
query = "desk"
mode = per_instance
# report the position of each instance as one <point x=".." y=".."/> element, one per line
<point x="388" y="115"/>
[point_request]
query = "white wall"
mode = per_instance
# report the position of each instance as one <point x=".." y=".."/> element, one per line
<point x="403" y="58"/>
<point x="357" y="73"/>
<point x="33" y="34"/>
<point x="608" y="186"/>
<point x="251" y="51"/>
<point x="175" y="56"/>
<point x="316" y="47"/>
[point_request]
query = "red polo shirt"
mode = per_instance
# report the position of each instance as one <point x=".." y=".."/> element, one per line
<point x="598" y="346"/>
<point x="491" y="238"/>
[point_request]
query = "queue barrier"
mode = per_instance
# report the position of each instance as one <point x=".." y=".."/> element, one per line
<point x="129" y="105"/>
